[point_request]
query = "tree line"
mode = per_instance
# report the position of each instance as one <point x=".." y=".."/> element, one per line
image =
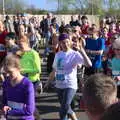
<point x="94" y="7"/>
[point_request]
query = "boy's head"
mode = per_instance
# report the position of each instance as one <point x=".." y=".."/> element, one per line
<point x="93" y="32"/>
<point x="84" y="20"/>
<point x="99" y="92"/>
<point x="10" y="39"/>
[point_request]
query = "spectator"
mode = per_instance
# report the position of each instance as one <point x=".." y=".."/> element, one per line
<point x="85" y="25"/>
<point x="47" y="23"/>
<point x="16" y="24"/>
<point x="32" y="34"/>
<point x="73" y="22"/>
<point x="61" y="28"/>
<point x="54" y="27"/>
<point x="78" y="21"/>
<point x="8" y="24"/>
<point x="99" y="93"/>
<point x="77" y="30"/>
<point x="42" y="27"/>
<point x="21" y="29"/>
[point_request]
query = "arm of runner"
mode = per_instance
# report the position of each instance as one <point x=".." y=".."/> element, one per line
<point x="87" y="61"/>
<point x="51" y="77"/>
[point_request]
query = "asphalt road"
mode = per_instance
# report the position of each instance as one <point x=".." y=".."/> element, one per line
<point x="48" y="106"/>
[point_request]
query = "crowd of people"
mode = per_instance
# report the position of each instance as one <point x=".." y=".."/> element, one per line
<point x="69" y="48"/>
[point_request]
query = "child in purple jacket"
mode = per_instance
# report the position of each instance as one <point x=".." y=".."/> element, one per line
<point x="18" y="92"/>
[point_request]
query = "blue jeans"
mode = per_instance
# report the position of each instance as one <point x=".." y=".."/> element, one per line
<point x="47" y="37"/>
<point x="65" y="97"/>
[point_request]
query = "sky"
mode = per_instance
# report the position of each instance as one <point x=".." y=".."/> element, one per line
<point x="43" y="4"/>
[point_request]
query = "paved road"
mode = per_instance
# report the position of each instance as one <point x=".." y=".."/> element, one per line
<point x="48" y="106"/>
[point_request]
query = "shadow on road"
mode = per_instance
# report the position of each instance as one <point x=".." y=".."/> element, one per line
<point x="50" y="119"/>
<point x="45" y="109"/>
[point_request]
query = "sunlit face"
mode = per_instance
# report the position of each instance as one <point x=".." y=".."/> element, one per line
<point x="105" y="31"/>
<point x="84" y="21"/>
<point x="22" y="45"/>
<point x="1" y="26"/>
<point x="65" y="44"/>
<point x="75" y="42"/>
<point x="12" y="72"/>
<point x="22" y="30"/>
<point x="102" y="24"/>
<point x="113" y="26"/>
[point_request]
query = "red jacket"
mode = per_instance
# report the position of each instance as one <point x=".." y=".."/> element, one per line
<point x="84" y="29"/>
<point x="2" y="44"/>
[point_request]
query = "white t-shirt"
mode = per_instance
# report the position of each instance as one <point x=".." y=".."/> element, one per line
<point x="65" y="65"/>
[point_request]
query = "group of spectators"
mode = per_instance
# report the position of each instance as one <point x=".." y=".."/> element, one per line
<point x="68" y="47"/>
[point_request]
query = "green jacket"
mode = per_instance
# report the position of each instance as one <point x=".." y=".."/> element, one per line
<point x="31" y="65"/>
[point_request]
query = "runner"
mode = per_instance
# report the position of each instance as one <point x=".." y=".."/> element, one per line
<point x="30" y="62"/>
<point x="18" y="92"/>
<point x="65" y="73"/>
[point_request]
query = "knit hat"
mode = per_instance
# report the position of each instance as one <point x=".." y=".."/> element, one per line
<point x="10" y="35"/>
<point x="63" y="36"/>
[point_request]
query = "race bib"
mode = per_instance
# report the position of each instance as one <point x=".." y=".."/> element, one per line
<point x="60" y="70"/>
<point x="15" y="105"/>
<point x="60" y="77"/>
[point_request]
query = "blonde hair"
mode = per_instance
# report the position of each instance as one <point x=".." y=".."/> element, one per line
<point x="12" y="61"/>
